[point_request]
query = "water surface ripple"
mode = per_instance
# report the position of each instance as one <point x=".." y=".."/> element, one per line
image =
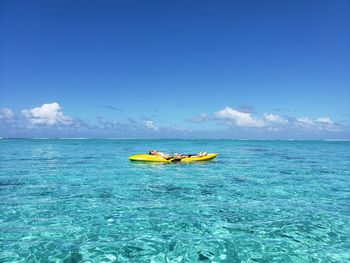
<point x="259" y="201"/>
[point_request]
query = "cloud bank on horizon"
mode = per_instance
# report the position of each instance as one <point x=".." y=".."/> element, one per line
<point x="236" y="119"/>
<point x="48" y="120"/>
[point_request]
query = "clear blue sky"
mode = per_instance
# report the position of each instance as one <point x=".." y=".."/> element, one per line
<point x="155" y="68"/>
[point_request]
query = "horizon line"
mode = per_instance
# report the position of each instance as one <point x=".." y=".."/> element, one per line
<point x="184" y="139"/>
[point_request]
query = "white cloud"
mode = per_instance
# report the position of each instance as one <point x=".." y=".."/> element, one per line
<point x="245" y="119"/>
<point x="324" y="120"/>
<point x="321" y="123"/>
<point x="150" y="125"/>
<point x="6" y="114"/>
<point x="201" y="118"/>
<point x="304" y="121"/>
<point x="238" y="118"/>
<point x="48" y="114"/>
<point x="274" y="118"/>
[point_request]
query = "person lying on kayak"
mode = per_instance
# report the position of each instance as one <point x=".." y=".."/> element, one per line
<point x="176" y="155"/>
<point x="180" y="156"/>
<point x="164" y="155"/>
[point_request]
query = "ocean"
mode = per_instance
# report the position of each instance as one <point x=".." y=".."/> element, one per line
<point x="258" y="201"/>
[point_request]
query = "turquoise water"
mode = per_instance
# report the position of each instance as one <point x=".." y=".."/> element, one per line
<point x="259" y="201"/>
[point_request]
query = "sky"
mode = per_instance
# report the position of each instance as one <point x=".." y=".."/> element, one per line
<point x="175" y="69"/>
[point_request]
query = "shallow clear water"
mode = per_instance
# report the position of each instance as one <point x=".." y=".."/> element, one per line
<point x="259" y="201"/>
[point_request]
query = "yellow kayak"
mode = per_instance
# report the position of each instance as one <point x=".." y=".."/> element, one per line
<point x="160" y="159"/>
